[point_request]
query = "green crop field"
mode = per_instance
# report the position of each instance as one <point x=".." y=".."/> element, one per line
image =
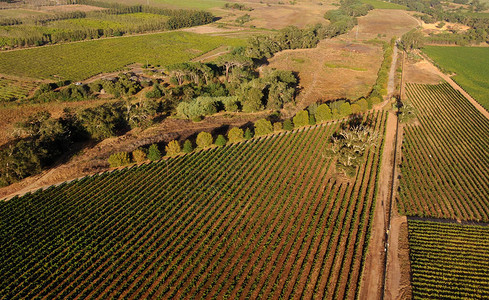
<point x="263" y="218"/>
<point x="77" y="61"/>
<point x="445" y="168"/>
<point x="193" y="4"/>
<point x="449" y="261"/>
<point x="384" y="5"/>
<point x="471" y="65"/>
<point x="11" y="90"/>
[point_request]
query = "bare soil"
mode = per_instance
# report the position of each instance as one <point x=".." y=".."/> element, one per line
<point x="420" y="72"/>
<point x="334" y="69"/>
<point x="386" y="22"/>
<point x="70" y="8"/>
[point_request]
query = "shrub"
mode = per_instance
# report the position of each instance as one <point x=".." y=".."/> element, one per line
<point x="173" y="148"/>
<point x="263" y="127"/>
<point x="301" y="119"/>
<point x="312" y="120"/>
<point x="139" y="155"/>
<point x="277" y="126"/>
<point x="187" y="147"/>
<point x="235" y="134"/>
<point x="323" y="113"/>
<point x="248" y="134"/>
<point x="119" y="159"/>
<point x="288" y="125"/>
<point x="345" y="109"/>
<point x="204" y="139"/>
<point x="220" y="140"/>
<point x="154" y="153"/>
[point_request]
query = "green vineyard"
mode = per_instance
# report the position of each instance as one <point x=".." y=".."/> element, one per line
<point x="11" y="90"/>
<point x="266" y="218"/>
<point x="449" y="261"/>
<point x="445" y="167"/>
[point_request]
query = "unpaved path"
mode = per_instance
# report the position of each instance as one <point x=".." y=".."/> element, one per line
<point x="374" y="266"/>
<point x="392" y="74"/>
<point x="455" y="85"/>
<point x="393" y="279"/>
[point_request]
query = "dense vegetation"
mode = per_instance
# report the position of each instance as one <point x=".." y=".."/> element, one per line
<point x="445" y="159"/>
<point x="43" y="139"/>
<point x="263" y="217"/>
<point x="470" y="66"/>
<point x="449" y="261"/>
<point x="82" y="60"/>
<point x="114" y="20"/>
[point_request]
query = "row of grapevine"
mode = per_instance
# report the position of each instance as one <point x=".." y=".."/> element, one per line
<point x="449" y="260"/>
<point x="445" y="167"/>
<point x="269" y="217"/>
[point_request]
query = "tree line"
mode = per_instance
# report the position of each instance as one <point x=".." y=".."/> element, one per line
<point x="41" y="30"/>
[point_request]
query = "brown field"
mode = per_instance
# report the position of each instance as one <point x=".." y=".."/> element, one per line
<point x="70" y="8"/>
<point x="386" y="22"/>
<point x="420" y="72"/>
<point x="335" y="69"/>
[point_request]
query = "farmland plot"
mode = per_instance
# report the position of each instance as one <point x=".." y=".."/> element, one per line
<point x="263" y="218"/>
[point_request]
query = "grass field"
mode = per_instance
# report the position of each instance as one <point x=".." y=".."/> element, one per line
<point x="77" y="61"/>
<point x="445" y="167"/>
<point x="449" y="261"/>
<point x="471" y="65"/>
<point x="263" y="218"/>
<point x="193" y="4"/>
<point x="384" y="5"/>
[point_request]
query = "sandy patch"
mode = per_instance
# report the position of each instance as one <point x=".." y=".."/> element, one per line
<point x="334" y="69"/>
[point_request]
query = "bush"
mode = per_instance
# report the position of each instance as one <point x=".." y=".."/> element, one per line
<point x="301" y="119"/>
<point x="173" y="148"/>
<point x="345" y="109"/>
<point x="235" y="134"/>
<point x="323" y="113"/>
<point x="220" y="140"/>
<point x="277" y="126"/>
<point x="312" y="120"/>
<point x="119" y="159"/>
<point x="139" y="155"/>
<point x="288" y="125"/>
<point x="154" y="153"/>
<point x="187" y="147"/>
<point x="204" y="139"/>
<point x="248" y="134"/>
<point x="263" y="127"/>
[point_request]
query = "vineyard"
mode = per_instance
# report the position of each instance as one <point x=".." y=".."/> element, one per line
<point x="449" y="261"/>
<point x="269" y="217"/>
<point x="77" y="61"/>
<point x="11" y="90"/>
<point x="445" y="167"/>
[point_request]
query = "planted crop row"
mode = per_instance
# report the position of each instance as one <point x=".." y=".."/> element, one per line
<point x="263" y="218"/>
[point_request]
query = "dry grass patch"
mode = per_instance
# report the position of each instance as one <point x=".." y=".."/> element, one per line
<point x="334" y="69"/>
<point x="420" y="72"/>
<point x="388" y="22"/>
<point x="70" y="8"/>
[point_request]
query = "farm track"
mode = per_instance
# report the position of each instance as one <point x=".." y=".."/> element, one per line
<point x="266" y="217"/>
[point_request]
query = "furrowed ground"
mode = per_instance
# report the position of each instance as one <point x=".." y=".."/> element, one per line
<point x="80" y="60"/>
<point x="445" y="168"/>
<point x="470" y="66"/>
<point x="268" y="217"/>
<point x="449" y="261"/>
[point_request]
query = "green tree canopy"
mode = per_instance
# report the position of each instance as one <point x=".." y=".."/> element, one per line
<point x="263" y="127"/>
<point x="204" y="139"/>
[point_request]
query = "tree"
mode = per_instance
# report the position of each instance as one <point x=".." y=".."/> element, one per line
<point x="312" y="120"/>
<point x="154" y="153"/>
<point x="355" y="108"/>
<point x="251" y="95"/>
<point x="204" y="139"/>
<point x="277" y="126"/>
<point x="220" y="140"/>
<point x="248" y="134"/>
<point x="323" y="113"/>
<point x="235" y="134"/>
<point x="263" y="127"/>
<point x="119" y="159"/>
<point x="173" y="148"/>
<point x="139" y="155"/>
<point x="363" y="104"/>
<point x="187" y="147"/>
<point x="412" y="40"/>
<point x="230" y="61"/>
<point x="288" y="125"/>
<point x="345" y="109"/>
<point x="301" y="119"/>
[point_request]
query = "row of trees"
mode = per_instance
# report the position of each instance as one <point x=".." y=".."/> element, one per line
<point x="42" y="139"/>
<point x="45" y="29"/>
